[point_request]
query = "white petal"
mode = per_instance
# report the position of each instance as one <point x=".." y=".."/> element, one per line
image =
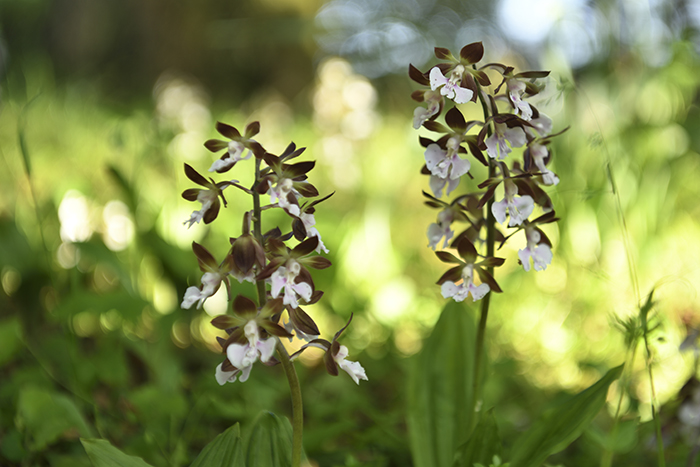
<point x="448" y="90"/>
<point x="436" y="185"/>
<point x="515" y="136"/>
<point x="434" y="154"/>
<point x="192" y="294"/>
<point x="524" y="256"/>
<point x="543" y="124"/>
<point x="279" y="279"/>
<point x="549" y="178"/>
<point x="420" y="115"/>
<point x="290" y="298"/>
<point x="525" y="110"/>
<point x="266" y="349"/>
<point x="245" y="372"/>
<point x="462" y="95"/>
<point x="459" y="167"/>
<point x="542" y="257"/>
<point x="499" y="210"/>
<point x="223" y="377"/>
<point x="521" y="208"/>
<point x="492" y="146"/>
<point x="479" y="292"/>
<point x="437" y="79"/>
<point x="304" y="290"/>
<point x="238" y="355"/>
<point x="195" y="217"/>
<point x="354" y="369"/>
<point x="435" y="234"/>
<point x="449" y="289"/>
<point x="452" y="184"/>
<point x="220" y="164"/>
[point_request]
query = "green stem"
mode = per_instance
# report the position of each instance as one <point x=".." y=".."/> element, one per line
<point x="486" y="301"/>
<point x="297" y="404"/>
<point x="655" y="415"/>
<point x="257" y="230"/>
<point x="606" y="461"/>
<point x="294" y="387"/>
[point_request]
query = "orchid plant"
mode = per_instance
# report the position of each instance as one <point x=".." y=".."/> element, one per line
<point x="512" y="141"/>
<point x="510" y="121"/>
<point x="278" y="269"/>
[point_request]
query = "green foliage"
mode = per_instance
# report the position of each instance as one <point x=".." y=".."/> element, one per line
<point x="269" y="442"/>
<point x="561" y="425"/>
<point x="483" y="445"/>
<point x="103" y="454"/>
<point x="441" y="389"/>
<point x="226" y="450"/>
<point x="10" y="339"/>
<point x="49" y="416"/>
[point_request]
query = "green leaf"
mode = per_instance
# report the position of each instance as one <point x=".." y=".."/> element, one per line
<point x="21" y="125"/>
<point x="270" y="442"/>
<point x="622" y="441"/>
<point x="440" y="389"/>
<point x="48" y="416"/>
<point x="103" y="454"/>
<point x="483" y="444"/>
<point x="560" y="426"/>
<point x="10" y="339"/>
<point x="225" y="450"/>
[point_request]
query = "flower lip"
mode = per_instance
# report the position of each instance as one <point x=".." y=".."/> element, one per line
<point x="450" y="87"/>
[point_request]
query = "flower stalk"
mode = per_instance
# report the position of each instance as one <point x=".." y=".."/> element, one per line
<point x="297" y="403"/>
<point x="486" y="302"/>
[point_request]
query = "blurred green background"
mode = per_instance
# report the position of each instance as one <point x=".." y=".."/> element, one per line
<point x="103" y="101"/>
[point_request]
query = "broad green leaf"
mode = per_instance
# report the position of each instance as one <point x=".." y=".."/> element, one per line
<point x="560" y="426"/>
<point x="103" y="454"/>
<point x="48" y="416"/>
<point x="270" y="442"/>
<point x="226" y="450"/>
<point x="440" y="389"/>
<point x="483" y="444"/>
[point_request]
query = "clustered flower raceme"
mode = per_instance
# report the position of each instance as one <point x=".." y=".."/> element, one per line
<point x="266" y="260"/>
<point x="510" y="122"/>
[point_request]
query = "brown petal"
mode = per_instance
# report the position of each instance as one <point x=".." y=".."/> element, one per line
<point x="306" y="189"/>
<point x="304" y="248"/>
<point x="298" y="169"/>
<point x="227" y="130"/>
<point x="225" y="321"/>
<point x="331" y="366"/>
<point x="472" y="53"/>
<point x="447" y="257"/>
<point x="212" y="212"/>
<point x="487" y="278"/>
<point x="252" y="129"/>
<point x="316" y="262"/>
<point x="303" y="322"/>
<point x="453" y="274"/>
<point x="466" y="250"/>
<point x="215" y="145"/>
<point x="443" y="54"/>
<point x="195" y="176"/>
<point x="191" y="194"/>
<point x="416" y="75"/>
<point x="275" y="329"/>
<point x="206" y="260"/>
<point x="455" y="120"/>
<point x="245" y="307"/>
